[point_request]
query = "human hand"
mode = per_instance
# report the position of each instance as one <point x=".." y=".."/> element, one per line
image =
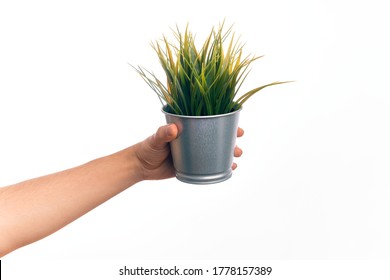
<point x="154" y="154"/>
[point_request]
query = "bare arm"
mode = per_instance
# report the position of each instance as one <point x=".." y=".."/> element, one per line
<point x="34" y="209"/>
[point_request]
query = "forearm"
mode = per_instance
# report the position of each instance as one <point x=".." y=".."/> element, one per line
<point x="33" y="209"/>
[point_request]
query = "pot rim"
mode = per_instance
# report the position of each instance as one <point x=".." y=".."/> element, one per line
<point x="200" y="117"/>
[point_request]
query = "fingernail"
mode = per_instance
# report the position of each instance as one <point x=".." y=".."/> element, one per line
<point x="170" y="132"/>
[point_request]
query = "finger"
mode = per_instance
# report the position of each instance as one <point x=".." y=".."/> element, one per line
<point x="164" y="134"/>
<point x="171" y="132"/>
<point x="234" y="166"/>
<point x="240" y="132"/>
<point x="237" y="151"/>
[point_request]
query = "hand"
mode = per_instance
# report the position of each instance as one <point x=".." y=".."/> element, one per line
<point x="154" y="156"/>
<point x="237" y="150"/>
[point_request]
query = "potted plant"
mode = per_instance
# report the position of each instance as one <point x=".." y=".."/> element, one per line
<point x="201" y="97"/>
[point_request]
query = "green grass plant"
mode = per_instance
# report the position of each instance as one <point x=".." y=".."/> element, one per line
<point x="205" y="81"/>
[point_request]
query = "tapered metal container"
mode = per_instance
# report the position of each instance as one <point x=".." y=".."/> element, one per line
<point x="203" y="151"/>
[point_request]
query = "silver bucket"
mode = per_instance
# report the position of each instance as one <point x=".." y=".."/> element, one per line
<point x="203" y="151"/>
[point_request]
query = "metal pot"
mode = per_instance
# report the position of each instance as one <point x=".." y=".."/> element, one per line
<point x="203" y="151"/>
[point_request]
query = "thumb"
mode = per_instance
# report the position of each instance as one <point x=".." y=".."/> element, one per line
<point x="164" y="135"/>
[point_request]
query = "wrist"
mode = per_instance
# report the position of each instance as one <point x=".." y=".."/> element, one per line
<point x="132" y="165"/>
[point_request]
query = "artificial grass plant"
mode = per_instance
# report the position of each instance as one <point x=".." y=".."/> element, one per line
<point x="201" y="82"/>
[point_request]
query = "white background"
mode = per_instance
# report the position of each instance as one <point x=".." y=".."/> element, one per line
<point x="313" y="181"/>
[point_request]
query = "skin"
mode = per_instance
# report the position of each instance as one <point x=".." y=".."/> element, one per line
<point x="43" y="205"/>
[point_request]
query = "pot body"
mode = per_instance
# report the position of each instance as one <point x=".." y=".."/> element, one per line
<point x="203" y="151"/>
